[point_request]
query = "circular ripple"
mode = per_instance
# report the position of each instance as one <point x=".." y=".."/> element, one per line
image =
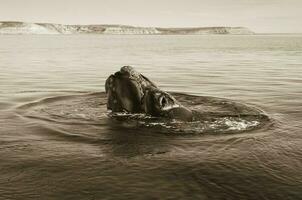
<point x="212" y="115"/>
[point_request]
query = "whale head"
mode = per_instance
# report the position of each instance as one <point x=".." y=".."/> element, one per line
<point x="131" y="92"/>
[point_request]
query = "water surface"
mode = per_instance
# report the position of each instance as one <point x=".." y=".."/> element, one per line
<point x="41" y="159"/>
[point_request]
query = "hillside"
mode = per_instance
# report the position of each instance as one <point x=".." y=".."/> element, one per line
<point x="48" y="28"/>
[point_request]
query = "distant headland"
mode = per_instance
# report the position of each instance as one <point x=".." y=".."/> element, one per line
<point x="14" y="27"/>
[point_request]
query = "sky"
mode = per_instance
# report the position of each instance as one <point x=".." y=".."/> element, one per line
<point x="261" y="16"/>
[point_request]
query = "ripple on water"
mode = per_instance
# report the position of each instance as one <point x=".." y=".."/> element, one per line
<point x="212" y="115"/>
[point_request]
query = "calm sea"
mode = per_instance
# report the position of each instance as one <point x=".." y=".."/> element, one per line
<point x="45" y="159"/>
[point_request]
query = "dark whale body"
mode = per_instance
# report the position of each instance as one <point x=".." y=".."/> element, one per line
<point x="131" y="92"/>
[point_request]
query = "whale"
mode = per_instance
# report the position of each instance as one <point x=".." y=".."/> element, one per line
<point x="129" y="91"/>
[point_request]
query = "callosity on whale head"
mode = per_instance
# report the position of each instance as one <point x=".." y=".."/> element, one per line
<point x="129" y="91"/>
<point x="125" y="90"/>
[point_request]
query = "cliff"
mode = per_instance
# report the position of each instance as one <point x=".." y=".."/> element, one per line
<point x="48" y="28"/>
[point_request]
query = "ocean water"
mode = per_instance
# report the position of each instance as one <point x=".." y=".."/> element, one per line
<point x="59" y="149"/>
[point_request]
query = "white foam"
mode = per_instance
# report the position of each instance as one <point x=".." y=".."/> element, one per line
<point x="240" y="125"/>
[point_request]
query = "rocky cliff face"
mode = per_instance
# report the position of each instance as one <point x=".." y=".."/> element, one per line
<point x="47" y="28"/>
<point x="207" y="30"/>
<point x="24" y="28"/>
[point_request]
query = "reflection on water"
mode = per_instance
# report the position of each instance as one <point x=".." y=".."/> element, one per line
<point x="75" y="157"/>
